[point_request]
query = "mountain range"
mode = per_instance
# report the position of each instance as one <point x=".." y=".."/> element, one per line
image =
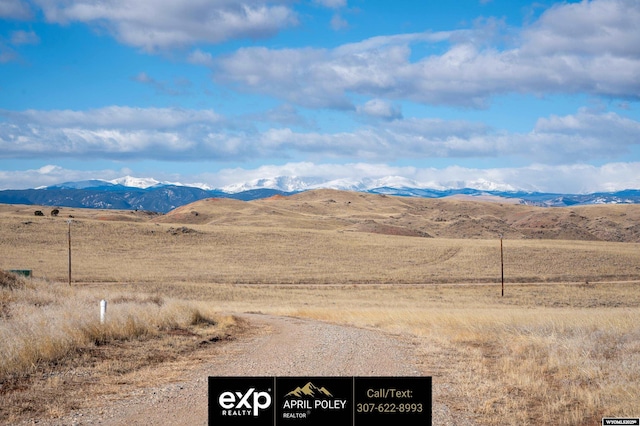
<point x="148" y="194"/>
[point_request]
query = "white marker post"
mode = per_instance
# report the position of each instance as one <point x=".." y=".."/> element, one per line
<point x="103" y="311"/>
<point x="502" y="265"/>
<point x="69" y="222"/>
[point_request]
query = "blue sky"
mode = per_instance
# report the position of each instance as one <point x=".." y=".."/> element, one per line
<point x="522" y="95"/>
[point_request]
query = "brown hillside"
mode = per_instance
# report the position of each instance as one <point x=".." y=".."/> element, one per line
<point x="445" y="218"/>
<point x="209" y="210"/>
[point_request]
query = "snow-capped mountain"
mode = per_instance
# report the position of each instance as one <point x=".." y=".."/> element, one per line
<point x="150" y="194"/>
<point x="298" y="183"/>
<point x="279" y="183"/>
<point x="125" y="181"/>
<point x="144" y="183"/>
<point x="134" y="182"/>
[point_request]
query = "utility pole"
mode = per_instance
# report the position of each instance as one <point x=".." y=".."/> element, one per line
<point x="501" y="265"/>
<point x="69" y="238"/>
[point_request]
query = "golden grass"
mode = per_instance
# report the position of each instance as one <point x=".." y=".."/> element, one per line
<point x="559" y="348"/>
<point x="45" y="326"/>
<point x="109" y="251"/>
<point x="44" y="322"/>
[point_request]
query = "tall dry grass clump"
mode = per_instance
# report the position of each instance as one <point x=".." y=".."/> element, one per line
<point x="43" y="322"/>
<point x="547" y="366"/>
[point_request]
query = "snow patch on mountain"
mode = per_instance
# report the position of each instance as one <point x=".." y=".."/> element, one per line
<point x="281" y="183"/>
<point x="145" y="183"/>
<point x="134" y="182"/>
<point x="481" y="185"/>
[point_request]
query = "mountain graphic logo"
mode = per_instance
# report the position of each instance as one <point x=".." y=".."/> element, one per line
<point x="310" y="390"/>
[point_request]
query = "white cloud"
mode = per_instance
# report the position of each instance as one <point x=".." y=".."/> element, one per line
<point x="333" y="4"/>
<point x="184" y="135"/>
<point x="380" y="109"/>
<point x="590" y="123"/>
<point x="584" y="136"/>
<point x="7" y="54"/>
<point x="115" y="132"/>
<point x="16" y="39"/>
<point x="114" y="117"/>
<point x="598" y="28"/>
<point x="287" y="73"/>
<point x="50" y="174"/>
<point x="586" y="47"/>
<point x="175" y="88"/>
<point x="24" y="37"/>
<point x="160" y="24"/>
<point x="15" y="9"/>
<point x="198" y="57"/>
<point x="338" y="22"/>
<point x="283" y="115"/>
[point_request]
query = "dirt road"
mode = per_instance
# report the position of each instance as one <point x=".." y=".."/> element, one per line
<point x="280" y="346"/>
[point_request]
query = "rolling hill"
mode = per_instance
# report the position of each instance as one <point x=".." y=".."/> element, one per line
<point x="350" y="211"/>
<point x="347" y="211"/>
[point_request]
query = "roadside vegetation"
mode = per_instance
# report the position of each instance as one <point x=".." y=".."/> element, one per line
<point x="53" y="341"/>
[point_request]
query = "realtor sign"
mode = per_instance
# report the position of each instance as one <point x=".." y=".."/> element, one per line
<point x="310" y="401"/>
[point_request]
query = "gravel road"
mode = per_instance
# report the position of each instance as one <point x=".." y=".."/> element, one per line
<point x="282" y="346"/>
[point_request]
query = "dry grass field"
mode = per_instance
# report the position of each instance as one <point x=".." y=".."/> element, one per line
<point x="561" y="346"/>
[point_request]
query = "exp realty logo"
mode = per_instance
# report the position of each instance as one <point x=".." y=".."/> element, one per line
<point x="320" y="401"/>
<point x="314" y="401"/>
<point x="241" y="401"/>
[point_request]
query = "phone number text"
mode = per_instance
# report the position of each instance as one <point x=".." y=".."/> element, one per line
<point x="389" y="407"/>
